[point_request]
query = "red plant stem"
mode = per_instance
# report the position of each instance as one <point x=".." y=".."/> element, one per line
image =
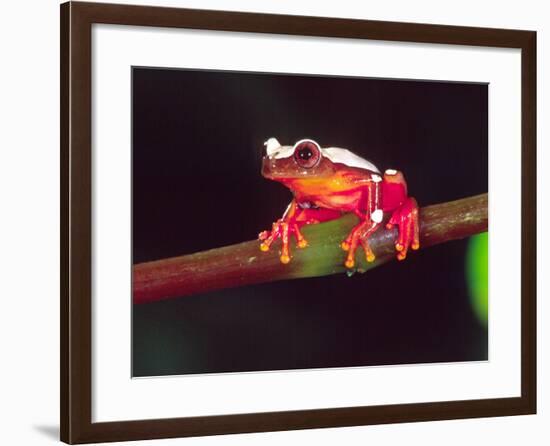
<point x="244" y="264"/>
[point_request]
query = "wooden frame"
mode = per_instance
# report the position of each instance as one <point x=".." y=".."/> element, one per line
<point x="76" y="218"/>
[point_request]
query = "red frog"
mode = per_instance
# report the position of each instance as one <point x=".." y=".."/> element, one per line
<point x="328" y="182"/>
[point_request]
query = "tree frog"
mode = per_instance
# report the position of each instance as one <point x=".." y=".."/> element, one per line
<point x="329" y="182"/>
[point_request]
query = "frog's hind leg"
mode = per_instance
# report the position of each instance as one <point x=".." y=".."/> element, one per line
<point x="370" y="220"/>
<point x="405" y="217"/>
<point x="404" y="212"/>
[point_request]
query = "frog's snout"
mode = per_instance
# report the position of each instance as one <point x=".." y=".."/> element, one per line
<point x="267" y="166"/>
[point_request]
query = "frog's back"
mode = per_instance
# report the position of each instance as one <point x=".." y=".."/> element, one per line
<point x="346" y="157"/>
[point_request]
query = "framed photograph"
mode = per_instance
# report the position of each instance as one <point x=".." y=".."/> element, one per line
<point x="281" y="222"/>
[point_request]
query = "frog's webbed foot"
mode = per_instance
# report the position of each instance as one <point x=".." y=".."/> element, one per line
<point x="406" y="219"/>
<point x="359" y="236"/>
<point x="283" y="229"/>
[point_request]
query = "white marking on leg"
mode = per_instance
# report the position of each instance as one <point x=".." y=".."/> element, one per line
<point x="370" y="203"/>
<point x="287" y="211"/>
<point x="391" y="171"/>
<point x="377" y="215"/>
<point x="376" y="194"/>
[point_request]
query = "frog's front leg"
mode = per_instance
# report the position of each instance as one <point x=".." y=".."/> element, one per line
<point x="290" y="223"/>
<point x="283" y="228"/>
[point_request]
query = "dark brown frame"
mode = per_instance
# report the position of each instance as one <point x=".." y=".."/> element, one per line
<point x="76" y="221"/>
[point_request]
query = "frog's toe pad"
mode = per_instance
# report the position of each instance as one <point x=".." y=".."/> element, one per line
<point x="284" y="259"/>
<point x="282" y="229"/>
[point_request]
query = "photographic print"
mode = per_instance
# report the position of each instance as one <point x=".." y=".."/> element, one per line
<point x="290" y="221"/>
<point x="279" y="222"/>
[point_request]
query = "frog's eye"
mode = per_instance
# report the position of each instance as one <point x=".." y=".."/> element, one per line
<point x="307" y="153"/>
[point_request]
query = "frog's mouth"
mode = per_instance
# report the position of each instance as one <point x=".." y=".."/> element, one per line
<point x="279" y="169"/>
<point x="266" y="167"/>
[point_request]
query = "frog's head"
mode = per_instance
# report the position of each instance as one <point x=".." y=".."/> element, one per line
<point x="306" y="159"/>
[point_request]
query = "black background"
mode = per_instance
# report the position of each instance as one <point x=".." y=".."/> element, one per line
<point x="197" y="145"/>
